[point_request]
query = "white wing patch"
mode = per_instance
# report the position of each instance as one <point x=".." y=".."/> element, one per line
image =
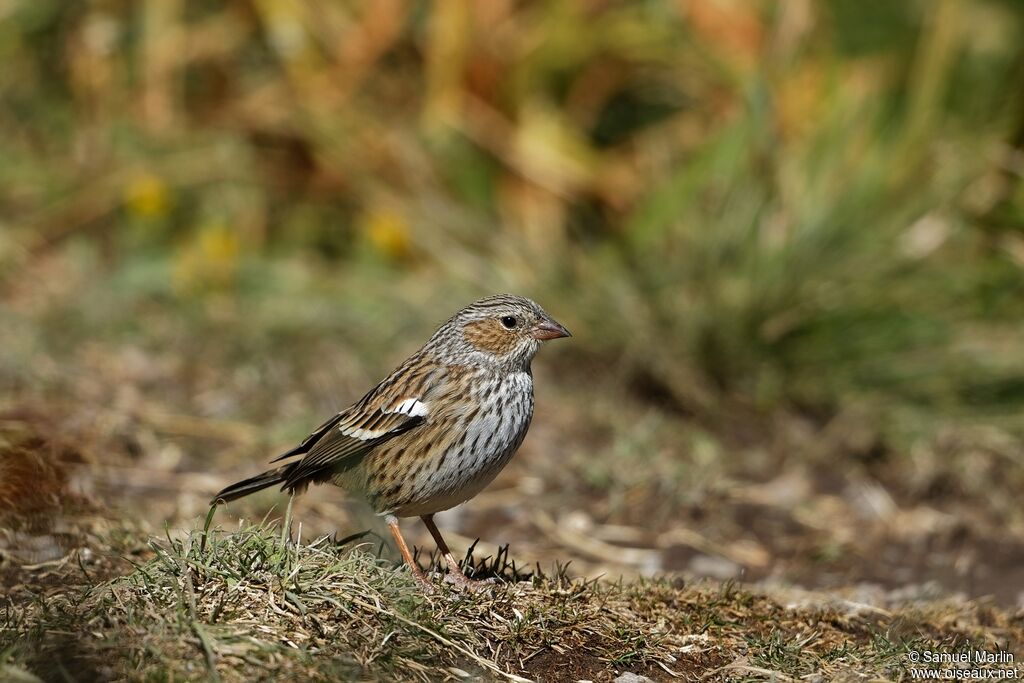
<point x="412" y="407"/>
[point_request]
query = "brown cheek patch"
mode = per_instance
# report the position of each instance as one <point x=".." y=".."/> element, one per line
<point x="489" y="336"/>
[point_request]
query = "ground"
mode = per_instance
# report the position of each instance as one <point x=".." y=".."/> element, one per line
<point x="92" y="593"/>
<point x="247" y="604"/>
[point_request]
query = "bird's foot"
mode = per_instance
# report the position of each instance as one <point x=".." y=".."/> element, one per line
<point x="463" y="582"/>
<point x="424" y="582"/>
<point x="426" y="586"/>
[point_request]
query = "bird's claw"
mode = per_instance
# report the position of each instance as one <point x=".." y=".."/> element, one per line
<point x="463" y="582"/>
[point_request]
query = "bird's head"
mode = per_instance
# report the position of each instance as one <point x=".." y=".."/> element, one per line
<point x="503" y="331"/>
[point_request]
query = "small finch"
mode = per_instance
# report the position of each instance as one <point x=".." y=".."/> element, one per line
<point x="437" y="430"/>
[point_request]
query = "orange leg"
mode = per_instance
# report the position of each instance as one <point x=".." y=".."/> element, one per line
<point x="455" y="574"/>
<point x="417" y="573"/>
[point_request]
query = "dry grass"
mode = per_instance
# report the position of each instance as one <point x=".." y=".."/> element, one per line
<point x="246" y="605"/>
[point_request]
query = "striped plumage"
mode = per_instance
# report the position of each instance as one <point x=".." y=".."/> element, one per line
<point x="437" y="430"/>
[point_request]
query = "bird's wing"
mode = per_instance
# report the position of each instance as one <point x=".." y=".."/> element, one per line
<point x="353" y="435"/>
<point x="393" y="407"/>
<point x="311" y="440"/>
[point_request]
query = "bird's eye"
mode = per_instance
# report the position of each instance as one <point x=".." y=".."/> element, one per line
<point x="509" y="321"/>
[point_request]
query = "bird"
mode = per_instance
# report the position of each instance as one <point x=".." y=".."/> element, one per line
<point x="436" y="431"/>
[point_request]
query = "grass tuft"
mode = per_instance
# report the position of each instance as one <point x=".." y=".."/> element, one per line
<point x="231" y="606"/>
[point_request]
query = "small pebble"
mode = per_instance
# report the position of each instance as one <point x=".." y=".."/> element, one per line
<point x="632" y="678"/>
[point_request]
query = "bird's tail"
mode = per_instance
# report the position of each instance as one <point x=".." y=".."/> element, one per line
<point x="251" y="485"/>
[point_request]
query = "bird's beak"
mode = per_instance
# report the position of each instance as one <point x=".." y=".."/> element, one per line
<point x="549" y="329"/>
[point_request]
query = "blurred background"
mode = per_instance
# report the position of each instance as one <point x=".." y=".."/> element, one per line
<point x="787" y="236"/>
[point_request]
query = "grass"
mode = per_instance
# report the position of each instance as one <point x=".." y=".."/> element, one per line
<point x="243" y="604"/>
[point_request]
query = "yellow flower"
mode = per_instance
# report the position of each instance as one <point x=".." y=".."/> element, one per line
<point x="147" y="195"/>
<point x="210" y="261"/>
<point x="387" y="232"/>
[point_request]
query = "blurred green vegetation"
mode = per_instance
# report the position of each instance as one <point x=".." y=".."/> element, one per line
<point x="799" y="204"/>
